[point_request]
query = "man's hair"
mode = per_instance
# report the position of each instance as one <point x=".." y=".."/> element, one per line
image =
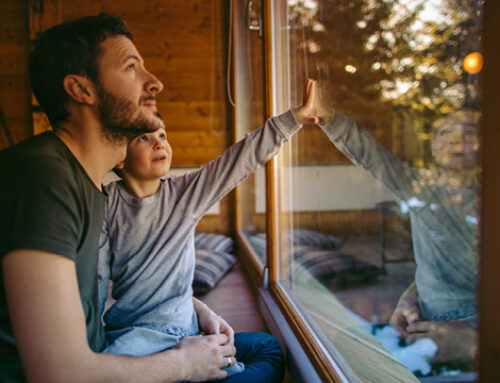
<point x="73" y="47"/>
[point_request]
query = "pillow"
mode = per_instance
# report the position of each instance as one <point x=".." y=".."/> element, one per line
<point x="306" y="237"/>
<point x="211" y="266"/>
<point x="217" y="242"/>
<point x="334" y="269"/>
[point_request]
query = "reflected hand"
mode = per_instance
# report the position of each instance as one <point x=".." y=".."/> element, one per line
<point x="456" y="341"/>
<point x="305" y="114"/>
<point x="406" y="312"/>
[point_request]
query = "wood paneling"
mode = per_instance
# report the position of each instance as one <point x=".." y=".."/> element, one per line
<point x="182" y="42"/>
<point x="14" y="79"/>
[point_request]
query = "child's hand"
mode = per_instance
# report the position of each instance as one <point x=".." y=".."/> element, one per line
<point x="312" y="111"/>
<point x="211" y="323"/>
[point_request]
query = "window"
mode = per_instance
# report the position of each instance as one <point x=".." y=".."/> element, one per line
<point x="363" y="219"/>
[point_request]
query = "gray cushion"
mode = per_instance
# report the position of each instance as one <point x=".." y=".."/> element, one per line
<point x="333" y="268"/>
<point x="211" y="266"/>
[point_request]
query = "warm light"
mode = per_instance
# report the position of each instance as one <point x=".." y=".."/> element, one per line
<point x="473" y="62"/>
<point x="350" y="69"/>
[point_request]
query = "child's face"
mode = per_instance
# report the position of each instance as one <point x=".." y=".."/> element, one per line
<point x="148" y="156"/>
<point x="455" y="146"/>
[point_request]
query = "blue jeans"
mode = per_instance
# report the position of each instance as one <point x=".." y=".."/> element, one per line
<point x="261" y="353"/>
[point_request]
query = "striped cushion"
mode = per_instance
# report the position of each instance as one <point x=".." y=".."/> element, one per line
<point x="217" y="242"/>
<point x="331" y="267"/>
<point x="211" y="266"/>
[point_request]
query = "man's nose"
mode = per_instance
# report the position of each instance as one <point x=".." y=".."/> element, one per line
<point x="153" y="85"/>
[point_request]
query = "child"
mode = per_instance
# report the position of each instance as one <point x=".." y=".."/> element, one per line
<point x="148" y="246"/>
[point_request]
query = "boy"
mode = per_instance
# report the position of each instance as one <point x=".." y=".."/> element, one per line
<point x="149" y="243"/>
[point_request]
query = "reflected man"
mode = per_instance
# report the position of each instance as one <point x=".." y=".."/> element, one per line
<point x="441" y="302"/>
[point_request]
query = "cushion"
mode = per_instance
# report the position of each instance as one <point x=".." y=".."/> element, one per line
<point x="211" y="266"/>
<point x="306" y="237"/>
<point x="333" y="268"/>
<point x="217" y="242"/>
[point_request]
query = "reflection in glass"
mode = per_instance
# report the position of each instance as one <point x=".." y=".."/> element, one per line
<point x="379" y="230"/>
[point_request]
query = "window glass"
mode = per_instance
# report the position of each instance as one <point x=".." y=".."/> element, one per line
<point x="380" y="205"/>
<point x="249" y="111"/>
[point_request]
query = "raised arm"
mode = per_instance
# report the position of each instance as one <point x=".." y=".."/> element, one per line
<point x="363" y="151"/>
<point x="49" y="327"/>
<point x="202" y="188"/>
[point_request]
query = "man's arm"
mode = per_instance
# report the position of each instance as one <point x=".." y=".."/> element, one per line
<point x="49" y="326"/>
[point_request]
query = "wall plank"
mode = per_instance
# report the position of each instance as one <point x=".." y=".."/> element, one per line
<point x="14" y="80"/>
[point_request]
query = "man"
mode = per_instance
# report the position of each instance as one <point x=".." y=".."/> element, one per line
<point x="441" y="302"/>
<point x="92" y="83"/>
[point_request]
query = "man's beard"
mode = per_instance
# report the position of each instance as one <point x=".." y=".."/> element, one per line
<point x="116" y="117"/>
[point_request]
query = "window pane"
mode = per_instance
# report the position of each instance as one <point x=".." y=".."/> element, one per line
<point x="249" y="115"/>
<point x="380" y="206"/>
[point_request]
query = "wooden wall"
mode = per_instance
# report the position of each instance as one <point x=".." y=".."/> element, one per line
<point x="15" y="99"/>
<point x="183" y="43"/>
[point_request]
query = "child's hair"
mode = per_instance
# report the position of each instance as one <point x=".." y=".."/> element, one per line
<point x="73" y="47"/>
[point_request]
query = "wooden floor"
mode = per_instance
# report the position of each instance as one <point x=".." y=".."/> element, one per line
<point x="236" y="302"/>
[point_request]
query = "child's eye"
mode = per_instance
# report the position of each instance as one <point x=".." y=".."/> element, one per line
<point x="163" y="136"/>
<point x="131" y="67"/>
<point x="142" y="139"/>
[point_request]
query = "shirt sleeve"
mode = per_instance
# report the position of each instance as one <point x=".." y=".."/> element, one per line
<point x="204" y="187"/>
<point x="363" y="151"/>
<point x="42" y="208"/>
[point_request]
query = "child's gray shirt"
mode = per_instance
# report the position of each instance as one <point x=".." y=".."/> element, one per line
<point x="147" y="246"/>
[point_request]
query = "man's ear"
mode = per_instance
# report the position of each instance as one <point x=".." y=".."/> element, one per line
<point x="80" y="89"/>
<point x="120" y="165"/>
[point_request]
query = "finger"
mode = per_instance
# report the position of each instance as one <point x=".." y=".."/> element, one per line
<point x="422" y="326"/>
<point x="228" y="350"/>
<point x="412" y="338"/>
<point x="305" y="95"/>
<point x="311" y="94"/>
<point x="220" y="339"/>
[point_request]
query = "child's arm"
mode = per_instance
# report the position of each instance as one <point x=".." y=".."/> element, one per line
<point x="364" y="151"/>
<point x="199" y="190"/>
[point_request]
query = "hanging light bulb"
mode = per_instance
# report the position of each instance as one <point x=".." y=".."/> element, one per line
<point x="473" y="63"/>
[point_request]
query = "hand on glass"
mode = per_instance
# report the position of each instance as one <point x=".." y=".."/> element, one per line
<point x="312" y="111"/>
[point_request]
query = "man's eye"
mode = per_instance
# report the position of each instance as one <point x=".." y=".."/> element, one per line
<point x="131" y="67"/>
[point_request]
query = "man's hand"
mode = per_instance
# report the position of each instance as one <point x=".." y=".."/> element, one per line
<point x="456" y="341"/>
<point x="406" y="311"/>
<point x="205" y="356"/>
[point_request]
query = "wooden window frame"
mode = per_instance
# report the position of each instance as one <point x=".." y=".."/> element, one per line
<point x="489" y="249"/>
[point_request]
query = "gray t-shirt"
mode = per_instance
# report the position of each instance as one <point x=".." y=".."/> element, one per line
<point x="149" y="241"/>
<point x="444" y="222"/>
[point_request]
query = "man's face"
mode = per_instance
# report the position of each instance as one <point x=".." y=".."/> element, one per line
<point x="126" y="91"/>
<point x="149" y="156"/>
<point x="455" y="146"/>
